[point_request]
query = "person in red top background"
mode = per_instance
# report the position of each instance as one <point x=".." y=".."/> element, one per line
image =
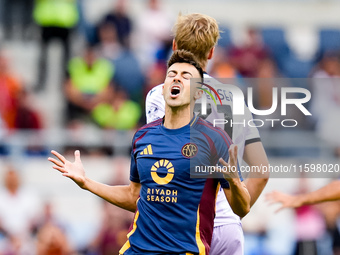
<point x="10" y="89"/>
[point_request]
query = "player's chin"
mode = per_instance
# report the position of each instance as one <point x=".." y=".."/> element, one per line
<point x="173" y="102"/>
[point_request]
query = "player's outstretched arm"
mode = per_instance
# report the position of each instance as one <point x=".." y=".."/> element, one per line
<point x="238" y="195"/>
<point x="330" y="192"/>
<point x="255" y="155"/>
<point x="121" y="196"/>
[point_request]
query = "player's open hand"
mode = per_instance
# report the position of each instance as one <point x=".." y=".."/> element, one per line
<point x="230" y="170"/>
<point x="287" y="201"/>
<point x="74" y="171"/>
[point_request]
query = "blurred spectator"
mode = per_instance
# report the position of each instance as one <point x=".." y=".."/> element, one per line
<point x="115" y="222"/>
<point x="113" y="233"/>
<point x="221" y="66"/>
<point x="152" y="32"/>
<point x="310" y="225"/>
<point x="164" y="52"/>
<point x="51" y="240"/>
<point x="121" y="174"/>
<point x="120" y="20"/>
<point x="263" y="84"/>
<point x="2" y="128"/>
<point x="246" y="58"/>
<point x="47" y="216"/>
<point x="326" y="101"/>
<point x="16" y="18"/>
<point x="323" y="87"/>
<point x="27" y="117"/>
<point x="129" y="76"/>
<point x="56" y="20"/>
<point x="155" y="75"/>
<point x="10" y="88"/>
<point x="85" y="27"/>
<point x="18" y="209"/>
<point x="89" y="84"/>
<point x="108" y="46"/>
<point x="267" y="71"/>
<point x="121" y="113"/>
<point x="3" y="131"/>
<point x="331" y="212"/>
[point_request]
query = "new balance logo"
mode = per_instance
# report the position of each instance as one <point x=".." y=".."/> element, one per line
<point x="147" y="150"/>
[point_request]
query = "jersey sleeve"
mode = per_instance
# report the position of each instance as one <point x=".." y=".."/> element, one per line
<point x="251" y="133"/>
<point x="154" y="104"/>
<point x="134" y="175"/>
<point x="224" y="183"/>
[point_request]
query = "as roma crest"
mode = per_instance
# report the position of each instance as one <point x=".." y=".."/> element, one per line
<point x="189" y="150"/>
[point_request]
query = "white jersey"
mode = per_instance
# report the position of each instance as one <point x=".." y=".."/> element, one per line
<point x="241" y="134"/>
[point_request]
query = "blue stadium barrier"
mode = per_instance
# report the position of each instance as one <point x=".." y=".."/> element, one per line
<point x="293" y="67"/>
<point x="225" y="40"/>
<point x="329" y="40"/>
<point x="274" y="39"/>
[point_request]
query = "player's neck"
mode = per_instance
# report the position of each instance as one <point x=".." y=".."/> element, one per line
<point x="177" y="117"/>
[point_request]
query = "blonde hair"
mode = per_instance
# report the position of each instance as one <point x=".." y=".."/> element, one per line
<point x="197" y="33"/>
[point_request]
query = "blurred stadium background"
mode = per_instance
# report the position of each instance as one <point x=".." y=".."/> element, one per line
<point x="41" y="110"/>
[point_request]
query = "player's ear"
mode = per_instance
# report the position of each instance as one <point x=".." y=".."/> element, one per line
<point x="211" y="53"/>
<point x="174" y="45"/>
<point x="198" y="94"/>
<point x="163" y="89"/>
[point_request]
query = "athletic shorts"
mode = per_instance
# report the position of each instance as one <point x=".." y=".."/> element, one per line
<point x="227" y="240"/>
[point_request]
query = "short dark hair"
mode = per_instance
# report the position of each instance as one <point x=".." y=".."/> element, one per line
<point x="184" y="56"/>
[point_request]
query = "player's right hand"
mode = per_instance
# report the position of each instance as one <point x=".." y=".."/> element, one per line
<point x="287" y="201"/>
<point x="74" y="171"/>
<point x="230" y="172"/>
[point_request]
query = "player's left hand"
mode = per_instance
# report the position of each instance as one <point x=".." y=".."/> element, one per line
<point x="230" y="171"/>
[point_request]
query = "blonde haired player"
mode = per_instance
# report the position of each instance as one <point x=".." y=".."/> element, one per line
<point x="199" y="33"/>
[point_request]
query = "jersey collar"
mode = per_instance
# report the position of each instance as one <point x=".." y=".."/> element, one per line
<point x="183" y="129"/>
